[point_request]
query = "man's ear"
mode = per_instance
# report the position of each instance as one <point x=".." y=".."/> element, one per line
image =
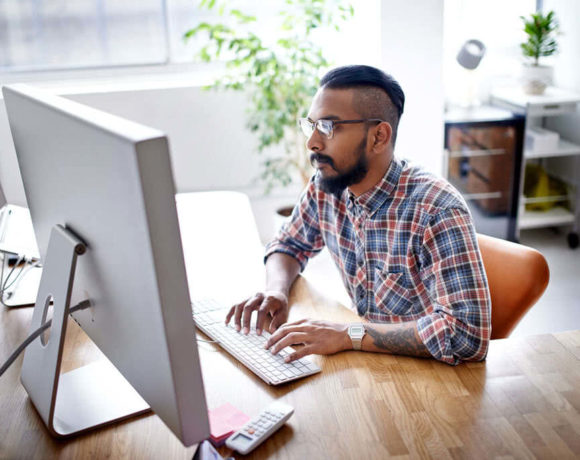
<point x="382" y="136"/>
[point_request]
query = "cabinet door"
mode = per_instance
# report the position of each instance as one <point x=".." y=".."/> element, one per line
<point x="481" y="166"/>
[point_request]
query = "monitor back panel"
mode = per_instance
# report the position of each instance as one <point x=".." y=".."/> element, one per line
<point x="109" y="181"/>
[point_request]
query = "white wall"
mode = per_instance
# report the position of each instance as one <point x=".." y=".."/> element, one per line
<point x="567" y="61"/>
<point x="498" y="25"/>
<point x="412" y="51"/>
<point x="211" y="148"/>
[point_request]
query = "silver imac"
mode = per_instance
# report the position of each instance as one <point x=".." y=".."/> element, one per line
<point x="102" y="199"/>
<point x="20" y="268"/>
<point x="18" y="282"/>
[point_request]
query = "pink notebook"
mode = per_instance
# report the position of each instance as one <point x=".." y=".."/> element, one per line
<point x="223" y="421"/>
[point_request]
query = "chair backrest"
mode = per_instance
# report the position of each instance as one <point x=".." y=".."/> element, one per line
<point x="517" y="277"/>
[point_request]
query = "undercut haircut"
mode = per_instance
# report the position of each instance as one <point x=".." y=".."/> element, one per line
<point x="377" y="94"/>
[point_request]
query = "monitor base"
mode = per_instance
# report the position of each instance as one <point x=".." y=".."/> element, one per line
<point x="87" y="397"/>
<point x="94" y="395"/>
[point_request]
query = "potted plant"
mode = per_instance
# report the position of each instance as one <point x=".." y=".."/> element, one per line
<point x="541" y="32"/>
<point x="281" y="78"/>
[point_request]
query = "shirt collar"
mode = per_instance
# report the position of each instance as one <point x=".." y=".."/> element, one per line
<point x="373" y="199"/>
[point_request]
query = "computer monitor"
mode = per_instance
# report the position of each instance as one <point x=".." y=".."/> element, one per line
<point x="19" y="258"/>
<point x="97" y="181"/>
<point x="16" y="232"/>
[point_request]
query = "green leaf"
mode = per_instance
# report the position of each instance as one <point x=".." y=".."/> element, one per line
<point x="541" y="31"/>
<point x="241" y="17"/>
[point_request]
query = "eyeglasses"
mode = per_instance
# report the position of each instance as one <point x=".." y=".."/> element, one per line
<point x="326" y="127"/>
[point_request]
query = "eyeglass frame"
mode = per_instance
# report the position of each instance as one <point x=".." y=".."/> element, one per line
<point x="314" y="124"/>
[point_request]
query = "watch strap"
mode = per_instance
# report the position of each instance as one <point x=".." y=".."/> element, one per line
<point x="356" y="333"/>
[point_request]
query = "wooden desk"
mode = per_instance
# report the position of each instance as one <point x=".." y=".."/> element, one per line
<point x="524" y="401"/>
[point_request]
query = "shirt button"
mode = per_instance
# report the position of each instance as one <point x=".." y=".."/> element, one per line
<point x="360" y="262"/>
<point x="360" y="292"/>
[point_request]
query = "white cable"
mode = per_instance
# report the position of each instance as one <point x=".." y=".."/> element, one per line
<point x="14" y="267"/>
<point x="26" y="267"/>
<point x="16" y="277"/>
<point x="80" y="306"/>
<point x="29" y="264"/>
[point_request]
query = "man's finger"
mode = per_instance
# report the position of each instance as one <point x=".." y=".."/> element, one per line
<point x="240" y="311"/>
<point x="278" y="319"/>
<point x="249" y="308"/>
<point x="304" y="351"/>
<point x="294" y="338"/>
<point x="281" y="333"/>
<point x="231" y="313"/>
<point x="238" y="316"/>
<point x="268" y="306"/>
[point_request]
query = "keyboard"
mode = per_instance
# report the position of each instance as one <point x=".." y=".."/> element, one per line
<point x="209" y="316"/>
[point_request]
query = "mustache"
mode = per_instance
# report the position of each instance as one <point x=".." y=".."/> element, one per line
<point x="320" y="158"/>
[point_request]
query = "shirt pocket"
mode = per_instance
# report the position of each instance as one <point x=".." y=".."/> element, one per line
<point x="394" y="295"/>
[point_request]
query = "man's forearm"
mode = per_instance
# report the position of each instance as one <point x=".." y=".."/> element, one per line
<point x="397" y="339"/>
<point x="281" y="271"/>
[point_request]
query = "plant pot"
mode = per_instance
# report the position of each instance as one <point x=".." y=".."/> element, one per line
<point x="536" y="78"/>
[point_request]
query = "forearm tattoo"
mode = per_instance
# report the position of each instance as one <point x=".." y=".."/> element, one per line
<point x="403" y="341"/>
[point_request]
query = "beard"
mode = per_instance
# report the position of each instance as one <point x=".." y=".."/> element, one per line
<point x="351" y="176"/>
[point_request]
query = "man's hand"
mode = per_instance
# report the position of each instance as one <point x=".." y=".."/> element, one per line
<point x="272" y="303"/>
<point x="320" y="337"/>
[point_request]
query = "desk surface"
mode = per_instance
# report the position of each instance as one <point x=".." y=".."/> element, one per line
<point x="523" y="401"/>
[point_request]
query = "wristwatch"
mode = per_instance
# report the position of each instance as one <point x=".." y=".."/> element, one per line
<point x="356" y="332"/>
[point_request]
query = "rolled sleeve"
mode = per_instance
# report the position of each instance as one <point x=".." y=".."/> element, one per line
<point x="300" y="236"/>
<point x="458" y="327"/>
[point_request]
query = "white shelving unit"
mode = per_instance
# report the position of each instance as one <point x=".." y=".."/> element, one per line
<point x="565" y="148"/>
<point x="554" y="217"/>
<point x="536" y="108"/>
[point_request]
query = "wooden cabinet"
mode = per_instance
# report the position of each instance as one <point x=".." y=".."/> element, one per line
<point x="483" y="154"/>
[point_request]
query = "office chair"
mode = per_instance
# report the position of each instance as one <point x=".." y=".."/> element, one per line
<point x="517" y="277"/>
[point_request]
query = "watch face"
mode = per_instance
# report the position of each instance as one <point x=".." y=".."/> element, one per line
<point x="356" y="331"/>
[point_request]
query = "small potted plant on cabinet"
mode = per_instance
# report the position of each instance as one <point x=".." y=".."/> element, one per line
<point x="541" y="42"/>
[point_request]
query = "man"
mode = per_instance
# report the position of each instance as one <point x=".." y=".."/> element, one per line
<point x="402" y="239"/>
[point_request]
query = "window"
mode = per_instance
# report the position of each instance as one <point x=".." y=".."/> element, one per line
<point x="37" y="34"/>
<point x="64" y="34"/>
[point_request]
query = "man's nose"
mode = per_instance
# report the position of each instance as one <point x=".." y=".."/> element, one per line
<point x="315" y="142"/>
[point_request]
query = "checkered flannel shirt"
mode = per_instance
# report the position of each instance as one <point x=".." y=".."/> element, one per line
<point x="406" y="250"/>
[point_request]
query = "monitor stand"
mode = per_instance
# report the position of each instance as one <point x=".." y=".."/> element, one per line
<point x="87" y="397"/>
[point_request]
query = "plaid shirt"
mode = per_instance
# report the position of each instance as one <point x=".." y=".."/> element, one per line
<point x="406" y="250"/>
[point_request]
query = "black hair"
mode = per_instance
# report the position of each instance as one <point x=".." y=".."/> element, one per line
<point x="374" y="85"/>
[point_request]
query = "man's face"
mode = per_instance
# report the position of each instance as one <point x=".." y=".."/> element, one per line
<point x="342" y="160"/>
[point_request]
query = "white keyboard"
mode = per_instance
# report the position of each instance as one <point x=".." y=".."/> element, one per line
<point x="249" y="349"/>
